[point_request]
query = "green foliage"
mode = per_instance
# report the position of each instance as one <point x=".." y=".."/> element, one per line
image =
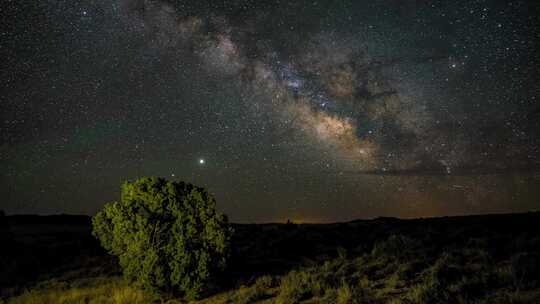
<point x="167" y="235"/>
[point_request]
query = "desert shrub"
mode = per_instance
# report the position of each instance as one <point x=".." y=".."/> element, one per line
<point x="316" y="282"/>
<point x="344" y="294"/>
<point x="435" y="281"/>
<point x="457" y="277"/>
<point x="260" y="290"/>
<point x="429" y="291"/>
<point x="352" y="294"/>
<point x="167" y="235"/>
<point x="335" y="281"/>
<point x="264" y="283"/>
<point x="525" y="269"/>
<point x="296" y="286"/>
<point x="396" y="247"/>
<point x="407" y="271"/>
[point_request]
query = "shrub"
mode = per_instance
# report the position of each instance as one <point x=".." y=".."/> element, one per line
<point x="396" y="247"/>
<point x="258" y="291"/>
<point x="333" y="281"/>
<point x="295" y="286"/>
<point x="167" y="235"/>
<point x="525" y="269"/>
<point x="456" y="277"/>
<point x="344" y="295"/>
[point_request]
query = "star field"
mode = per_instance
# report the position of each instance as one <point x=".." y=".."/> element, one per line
<point x="304" y="110"/>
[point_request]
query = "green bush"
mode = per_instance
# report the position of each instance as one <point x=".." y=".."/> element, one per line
<point x="167" y="235"/>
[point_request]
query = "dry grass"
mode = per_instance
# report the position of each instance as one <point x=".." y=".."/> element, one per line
<point x="97" y="290"/>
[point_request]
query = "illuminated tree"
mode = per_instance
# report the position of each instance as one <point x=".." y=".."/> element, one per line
<point x="167" y="235"/>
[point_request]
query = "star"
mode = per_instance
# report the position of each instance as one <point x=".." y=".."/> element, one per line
<point x="302" y="109"/>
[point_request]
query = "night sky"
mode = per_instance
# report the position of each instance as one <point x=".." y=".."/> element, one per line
<point x="313" y="111"/>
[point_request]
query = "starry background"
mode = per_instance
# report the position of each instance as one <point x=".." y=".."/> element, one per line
<point x="305" y="110"/>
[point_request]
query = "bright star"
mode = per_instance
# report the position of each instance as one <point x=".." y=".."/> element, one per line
<point x="201" y="161"/>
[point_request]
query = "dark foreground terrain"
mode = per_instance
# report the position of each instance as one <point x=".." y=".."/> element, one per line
<point x="472" y="259"/>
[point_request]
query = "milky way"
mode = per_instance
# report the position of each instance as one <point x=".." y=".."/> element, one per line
<point x="316" y="111"/>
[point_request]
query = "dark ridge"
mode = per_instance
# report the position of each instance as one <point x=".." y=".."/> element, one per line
<point x="56" y="219"/>
<point x="37" y="248"/>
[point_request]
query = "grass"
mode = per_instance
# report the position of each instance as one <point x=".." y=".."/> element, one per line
<point x="394" y="271"/>
<point x="429" y="261"/>
<point x="466" y="276"/>
<point x="94" y="290"/>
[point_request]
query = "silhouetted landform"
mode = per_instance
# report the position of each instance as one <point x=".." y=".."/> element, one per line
<point x="484" y="259"/>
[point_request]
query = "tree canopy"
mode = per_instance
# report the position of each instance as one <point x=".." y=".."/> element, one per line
<point x="167" y="235"/>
